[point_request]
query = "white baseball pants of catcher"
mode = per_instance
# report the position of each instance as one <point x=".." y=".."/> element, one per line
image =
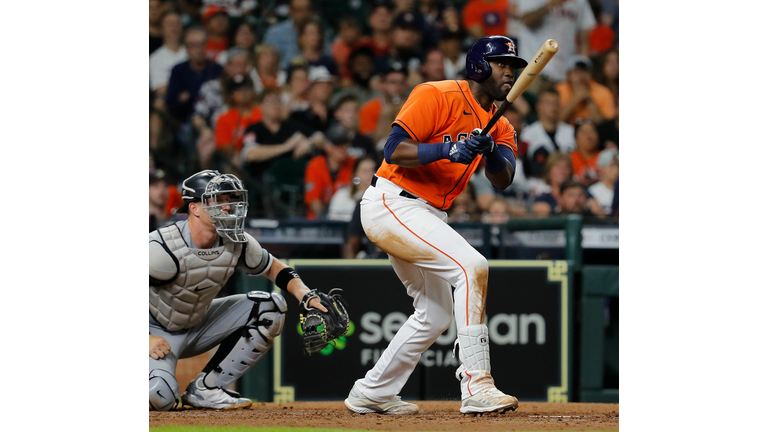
<point x="430" y="258"/>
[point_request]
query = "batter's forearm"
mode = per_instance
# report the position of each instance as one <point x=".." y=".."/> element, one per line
<point x="406" y="154"/>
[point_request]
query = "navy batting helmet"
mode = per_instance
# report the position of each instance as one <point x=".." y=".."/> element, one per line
<point x="489" y="47"/>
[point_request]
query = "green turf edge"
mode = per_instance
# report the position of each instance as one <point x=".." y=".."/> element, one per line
<point x="258" y="429"/>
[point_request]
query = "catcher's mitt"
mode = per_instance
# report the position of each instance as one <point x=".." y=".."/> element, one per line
<point x="318" y="327"/>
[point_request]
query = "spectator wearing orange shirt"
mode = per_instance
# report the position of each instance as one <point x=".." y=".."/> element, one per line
<point x="377" y="114"/>
<point x="232" y="124"/>
<point x="581" y="96"/>
<point x="327" y="173"/>
<point x="350" y="34"/>
<point x="485" y="17"/>
<point x="216" y="21"/>
<point x="584" y="158"/>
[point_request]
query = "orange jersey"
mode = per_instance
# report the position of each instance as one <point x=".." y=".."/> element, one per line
<point x="318" y="183"/>
<point x="492" y="16"/>
<point x="438" y="112"/>
<point x="231" y="125"/>
<point x="369" y="116"/>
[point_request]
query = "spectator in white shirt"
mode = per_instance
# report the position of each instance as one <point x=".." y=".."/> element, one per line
<point x="167" y="56"/>
<point x="345" y="199"/>
<point x="547" y="135"/>
<point x="602" y="191"/>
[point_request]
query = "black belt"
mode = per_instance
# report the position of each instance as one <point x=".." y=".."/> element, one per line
<point x="402" y="193"/>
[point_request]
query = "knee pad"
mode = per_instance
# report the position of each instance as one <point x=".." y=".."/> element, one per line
<point x="268" y="313"/>
<point x="163" y="390"/>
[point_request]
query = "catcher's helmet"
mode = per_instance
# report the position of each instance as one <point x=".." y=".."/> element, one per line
<point x="193" y="187"/>
<point x="489" y="47"/>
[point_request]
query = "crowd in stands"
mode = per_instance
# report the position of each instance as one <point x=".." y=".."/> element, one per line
<point x="296" y="97"/>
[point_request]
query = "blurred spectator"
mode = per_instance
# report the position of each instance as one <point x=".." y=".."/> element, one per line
<point x="557" y="171"/>
<point x="350" y="34"/>
<point x="167" y="56"/>
<point x="380" y="21"/>
<point x="311" y="45"/>
<point x="327" y="173"/>
<point x="601" y="37"/>
<point x="361" y="69"/>
<point x="164" y="199"/>
<point x="485" y="18"/>
<point x="602" y="191"/>
<point x="377" y="115"/>
<point x="439" y="16"/>
<point x="158" y="195"/>
<point x="497" y="213"/>
<point x="345" y="199"/>
<point x="190" y="9"/>
<point x="574" y="200"/>
<point x="187" y="77"/>
<point x="608" y="72"/>
<point x="231" y="126"/>
<point x="566" y="21"/>
<point x="284" y="35"/>
<point x="272" y="137"/>
<point x="156" y="11"/>
<point x="608" y="131"/>
<point x="210" y="100"/>
<point x="266" y="72"/>
<point x="584" y="158"/>
<point x="245" y="38"/>
<point x="454" y="57"/>
<point x="216" y="21"/>
<point x="433" y="68"/>
<point x="513" y="21"/>
<point x="615" y="203"/>
<point x="315" y="117"/>
<point x="295" y="92"/>
<point x="464" y="207"/>
<point x="406" y="48"/>
<point x="234" y="8"/>
<point x="547" y="135"/>
<point x="346" y="114"/>
<point x="483" y="190"/>
<point x="581" y="96"/>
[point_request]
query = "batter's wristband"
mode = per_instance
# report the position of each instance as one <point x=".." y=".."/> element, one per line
<point x="285" y="276"/>
<point x="429" y="153"/>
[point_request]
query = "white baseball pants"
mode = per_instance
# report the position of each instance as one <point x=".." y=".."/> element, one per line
<point x="429" y="257"/>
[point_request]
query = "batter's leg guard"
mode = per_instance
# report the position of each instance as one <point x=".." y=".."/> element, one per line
<point x="478" y="391"/>
<point x="163" y="390"/>
<point x="245" y="347"/>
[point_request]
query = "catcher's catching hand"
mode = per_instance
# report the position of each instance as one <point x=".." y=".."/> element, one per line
<point x="318" y="327"/>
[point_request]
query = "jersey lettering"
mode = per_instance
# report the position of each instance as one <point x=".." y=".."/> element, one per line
<point x="462" y="136"/>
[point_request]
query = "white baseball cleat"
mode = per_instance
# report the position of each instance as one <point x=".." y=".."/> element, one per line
<point x="199" y="395"/>
<point x="490" y="400"/>
<point x="358" y="403"/>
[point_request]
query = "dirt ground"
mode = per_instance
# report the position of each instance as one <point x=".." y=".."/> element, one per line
<point x="433" y="416"/>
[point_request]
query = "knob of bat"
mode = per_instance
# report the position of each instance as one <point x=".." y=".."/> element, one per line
<point x="477" y="131"/>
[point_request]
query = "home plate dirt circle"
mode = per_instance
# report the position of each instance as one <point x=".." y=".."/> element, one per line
<point x="433" y="416"/>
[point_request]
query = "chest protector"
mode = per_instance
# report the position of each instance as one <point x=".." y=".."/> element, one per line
<point x="184" y="302"/>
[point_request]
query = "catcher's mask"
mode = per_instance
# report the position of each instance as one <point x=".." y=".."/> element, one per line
<point x="226" y="202"/>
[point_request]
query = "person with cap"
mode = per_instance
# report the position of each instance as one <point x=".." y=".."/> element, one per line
<point x="232" y="124"/>
<point x="158" y="196"/>
<point x="377" y="114"/>
<point x="581" y="96"/>
<point x="315" y="117"/>
<point x="566" y="21"/>
<point x="405" y="49"/>
<point x="216" y="21"/>
<point x="328" y="172"/>
<point x="189" y="263"/>
<point x="608" y="168"/>
<point x="547" y="135"/>
<point x="346" y="112"/>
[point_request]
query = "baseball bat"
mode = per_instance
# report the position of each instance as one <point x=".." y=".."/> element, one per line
<point x="524" y="80"/>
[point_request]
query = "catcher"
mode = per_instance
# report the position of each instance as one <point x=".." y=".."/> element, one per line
<point x="189" y="263"/>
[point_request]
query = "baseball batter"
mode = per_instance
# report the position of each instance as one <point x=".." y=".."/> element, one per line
<point x="430" y="155"/>
<point x="189" y="263"/>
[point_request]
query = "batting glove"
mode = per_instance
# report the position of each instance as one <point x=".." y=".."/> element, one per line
<point x="481" y="144"/>
<point x="460" y="152"/>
